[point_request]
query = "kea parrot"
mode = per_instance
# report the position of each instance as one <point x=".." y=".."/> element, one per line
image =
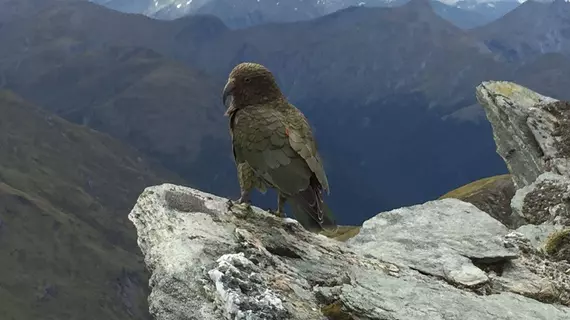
<point x="273" y="146"/>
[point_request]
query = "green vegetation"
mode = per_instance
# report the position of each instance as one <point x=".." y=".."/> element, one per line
<point x="558" y="244"/>
<point x="67" y="248"/>
<point x="475" y="187"/>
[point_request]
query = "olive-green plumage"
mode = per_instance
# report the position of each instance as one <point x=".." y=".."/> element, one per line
<point x="274" y="139"/>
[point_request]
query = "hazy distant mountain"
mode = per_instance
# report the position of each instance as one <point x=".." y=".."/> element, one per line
<point x="15" y="9"/>
<point x="532" y="29"/>
<point x="490" y="9"/>
<point x="462" y="18"/>
<point x="246" y="13"/>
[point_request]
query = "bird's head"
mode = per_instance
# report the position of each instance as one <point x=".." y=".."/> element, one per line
<point x="249" y="84"/>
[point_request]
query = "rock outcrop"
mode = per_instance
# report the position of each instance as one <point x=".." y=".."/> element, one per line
<point x="532" y="133"/>
<point x="445" y="259"/>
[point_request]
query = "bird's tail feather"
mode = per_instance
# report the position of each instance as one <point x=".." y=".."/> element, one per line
<point x="311" y="211"/>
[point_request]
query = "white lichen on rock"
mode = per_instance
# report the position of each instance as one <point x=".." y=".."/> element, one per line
<point x="242" y="290"/>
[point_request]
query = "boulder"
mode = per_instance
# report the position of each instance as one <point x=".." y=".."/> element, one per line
<point x="442" y="238"/>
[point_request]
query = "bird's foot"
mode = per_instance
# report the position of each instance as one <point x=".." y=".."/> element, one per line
<point x="243" y="207"/>
<point x="278" y="213"/>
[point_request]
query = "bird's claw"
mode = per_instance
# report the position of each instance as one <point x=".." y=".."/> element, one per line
<point x="242" y="206"/>
<point x="278" y="213"/>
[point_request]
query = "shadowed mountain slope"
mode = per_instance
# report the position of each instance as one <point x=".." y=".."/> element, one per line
<point x="161" y="107"/>
<point x="67" y="249"/>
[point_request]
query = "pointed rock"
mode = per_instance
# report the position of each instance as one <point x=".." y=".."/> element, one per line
<point x="532" y="131"/>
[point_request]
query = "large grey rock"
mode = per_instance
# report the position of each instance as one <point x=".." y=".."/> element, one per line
<point x="208" y="261"/>
<point x="532" y="131"/>
<point x="441" y="238"/>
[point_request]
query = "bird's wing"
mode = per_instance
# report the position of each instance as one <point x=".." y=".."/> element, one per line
<point x="302" y="141"/>
<point x="261" y="138"/>
<point x="246" y="175"/>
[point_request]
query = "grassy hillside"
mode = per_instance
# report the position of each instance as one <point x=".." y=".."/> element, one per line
<point x="67" y="250"/>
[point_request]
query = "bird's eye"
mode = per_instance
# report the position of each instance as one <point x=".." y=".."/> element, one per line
<point x="247" y="80"/>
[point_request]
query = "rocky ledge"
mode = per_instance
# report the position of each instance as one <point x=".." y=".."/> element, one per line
<point x="443" y="259"/>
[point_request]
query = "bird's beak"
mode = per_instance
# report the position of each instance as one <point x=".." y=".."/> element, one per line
<point x="228" y="91"/>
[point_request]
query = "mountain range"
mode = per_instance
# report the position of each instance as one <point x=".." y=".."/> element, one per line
<point x="155" y="85"/>
<point x="246" y="13"/>
<point x="136" y="101"/>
